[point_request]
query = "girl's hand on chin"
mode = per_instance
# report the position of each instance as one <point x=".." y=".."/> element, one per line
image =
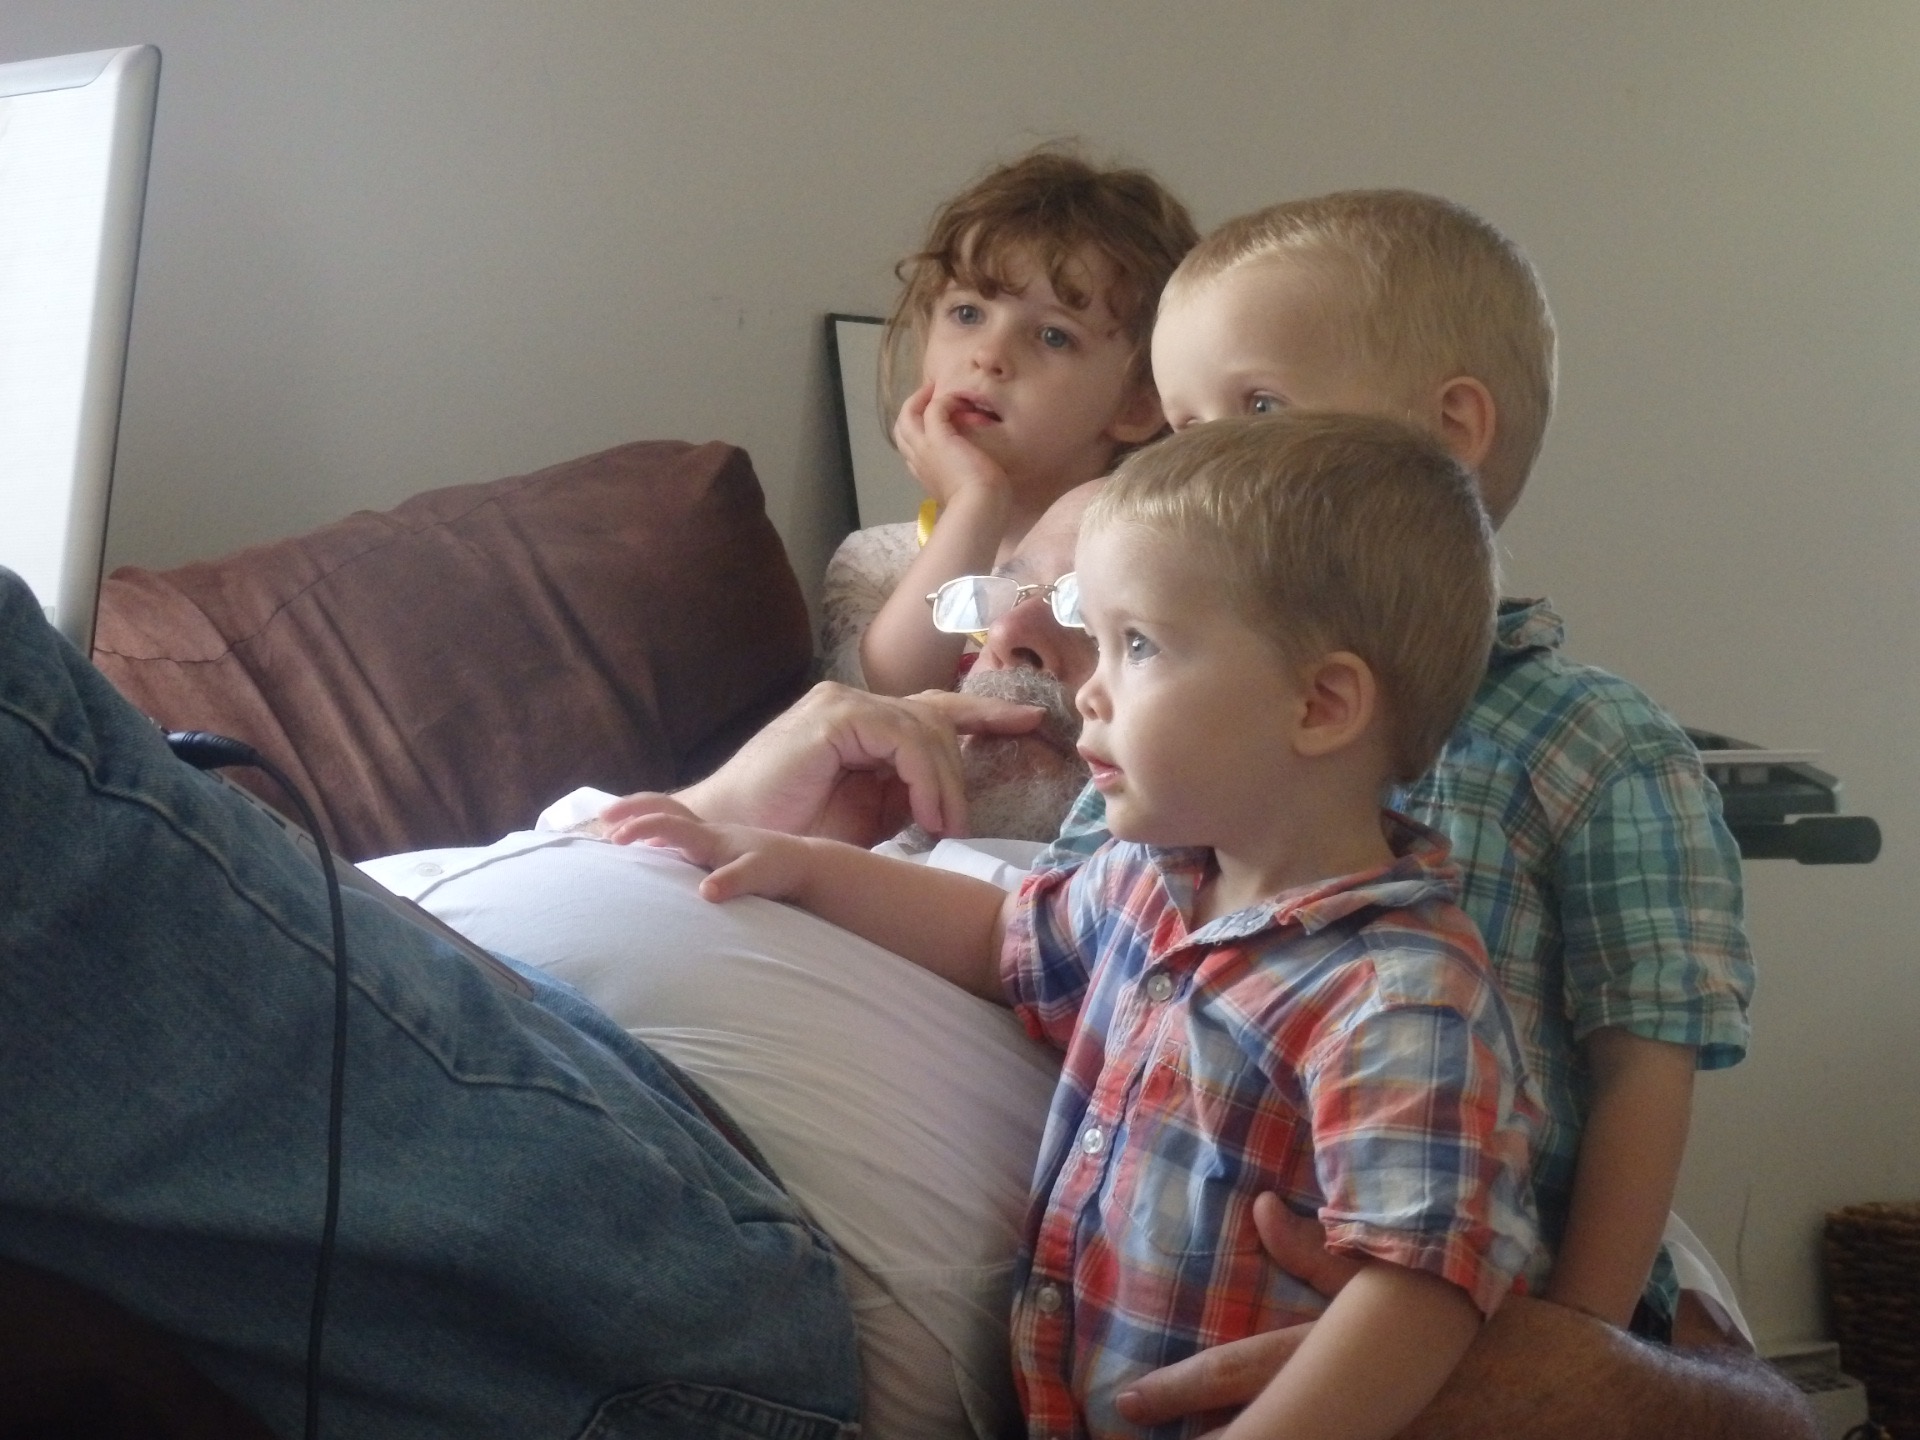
<point x="942" y="459"/>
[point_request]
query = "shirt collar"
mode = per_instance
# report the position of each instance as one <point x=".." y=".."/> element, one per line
<point x="1422" y="869"/>
<point x="1526" y="627"/>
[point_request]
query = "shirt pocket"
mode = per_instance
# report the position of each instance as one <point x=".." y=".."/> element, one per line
<point x="1182" y="1189"/>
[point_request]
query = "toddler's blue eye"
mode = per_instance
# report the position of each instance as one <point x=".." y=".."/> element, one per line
<point x="1054" y="338"/>
<point x="1265" y="404"/>
<point x="1138" y="646"/>
<point x="967" y="314"/>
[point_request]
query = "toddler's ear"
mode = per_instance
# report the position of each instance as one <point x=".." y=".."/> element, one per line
<point x="1139" y="417"/>
<point x="1339" y="697"/>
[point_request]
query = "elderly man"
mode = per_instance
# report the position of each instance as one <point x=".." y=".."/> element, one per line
<point x="547" y="1229"/>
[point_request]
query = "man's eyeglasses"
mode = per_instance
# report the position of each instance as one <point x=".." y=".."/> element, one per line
<point x="970" y="603"/>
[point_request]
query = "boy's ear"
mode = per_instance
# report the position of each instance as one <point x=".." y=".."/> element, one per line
<point x="1139" y="417"/>
<point x="1339" y="697"/>
<point x="1468" y="421"/>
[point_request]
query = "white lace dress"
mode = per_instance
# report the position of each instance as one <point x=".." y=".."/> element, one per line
<point x="863" y="572"/>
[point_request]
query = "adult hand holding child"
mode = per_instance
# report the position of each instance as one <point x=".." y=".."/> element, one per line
<point x="1536" y="1370"/>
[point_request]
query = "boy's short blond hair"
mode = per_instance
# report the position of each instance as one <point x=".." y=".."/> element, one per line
<point x="1334" y="532"/>
<point x="1051" y="207"/>
<point x="1420" y="290"/>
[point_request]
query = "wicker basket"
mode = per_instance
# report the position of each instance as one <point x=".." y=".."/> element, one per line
<point x="1873" y="1280"/>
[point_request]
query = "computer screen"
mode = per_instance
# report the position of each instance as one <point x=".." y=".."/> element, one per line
<point x="75" y="131"/>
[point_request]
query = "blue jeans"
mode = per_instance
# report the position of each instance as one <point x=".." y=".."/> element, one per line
<point x="539" y="1234"/>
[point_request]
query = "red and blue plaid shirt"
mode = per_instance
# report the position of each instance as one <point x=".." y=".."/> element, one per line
<point x="1342" y="1045"/>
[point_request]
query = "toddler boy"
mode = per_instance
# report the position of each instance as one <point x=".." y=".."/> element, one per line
<point x="1262" y="982"/>
<point x="1594" y="857"/>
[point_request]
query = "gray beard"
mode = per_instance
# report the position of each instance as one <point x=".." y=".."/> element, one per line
<point x="1017" y="790"/>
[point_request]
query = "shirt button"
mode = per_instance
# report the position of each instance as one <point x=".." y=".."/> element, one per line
<point x="1093" y="1140"/>
<point x="1048" y="1300"/>
<point x="427" y="867"/>
<point x="1159" y="986"/>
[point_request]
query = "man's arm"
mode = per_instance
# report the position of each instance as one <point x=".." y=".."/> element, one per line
<point x="1535" y="1371"/>
<point x="848" y="765"/>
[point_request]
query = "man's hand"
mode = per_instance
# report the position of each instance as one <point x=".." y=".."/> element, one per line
<point x="1228" y="1376"/>
<point x="847" y="765"/>
<point x="1537" y="1371"/>
<point x="1225" y="1377"/>
<point x="943" y="460"/>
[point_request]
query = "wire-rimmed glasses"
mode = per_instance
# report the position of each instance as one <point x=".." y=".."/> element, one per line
<point x="968" y="604"/>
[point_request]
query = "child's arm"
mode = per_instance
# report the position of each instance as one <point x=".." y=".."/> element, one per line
<point x="1381" y="1352"/>
<point x="901" y="653"/>
<point x="950" y="924"/>
<point x="1641" y="1097"/>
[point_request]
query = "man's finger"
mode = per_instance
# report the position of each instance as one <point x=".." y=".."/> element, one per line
<point x="923" y="752"/>
<point x="980" y="714"/>
<point x="1226" y="1376"/>
<point x="1298" y="1245"/>
<point x="930" y="769"/>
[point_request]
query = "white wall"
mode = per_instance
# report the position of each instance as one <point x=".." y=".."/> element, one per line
<point x="401" y="243"/>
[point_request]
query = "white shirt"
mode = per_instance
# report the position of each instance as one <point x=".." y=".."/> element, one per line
<point x="902" y="1112"/>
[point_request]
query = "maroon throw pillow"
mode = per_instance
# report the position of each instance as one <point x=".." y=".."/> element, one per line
<point x="435" y="674"/>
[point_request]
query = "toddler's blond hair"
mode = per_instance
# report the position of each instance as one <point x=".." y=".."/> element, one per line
<point x="1334" y="532"/>
<point x="1419" y="290"/>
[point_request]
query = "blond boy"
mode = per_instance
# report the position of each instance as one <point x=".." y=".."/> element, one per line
<point x="1261" y="984"/>
<point x="1595" y="860"/>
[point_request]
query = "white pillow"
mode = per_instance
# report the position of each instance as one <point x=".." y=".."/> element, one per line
<point x="902" y="1112"/>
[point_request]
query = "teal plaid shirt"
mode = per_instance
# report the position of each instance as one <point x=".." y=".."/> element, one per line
<point x="1594" y="860"/>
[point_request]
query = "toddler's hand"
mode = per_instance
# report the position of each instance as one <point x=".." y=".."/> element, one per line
<point x="612" y="823"/>
<point x="744" y="861"/>
<point x="943" y="460"/>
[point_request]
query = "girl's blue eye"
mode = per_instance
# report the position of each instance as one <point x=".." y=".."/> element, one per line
<point x="966" y="313"/>
<point x="1138" y="646"/>
<point x="1265" y="404"/>
<point x="1054" y="338"/>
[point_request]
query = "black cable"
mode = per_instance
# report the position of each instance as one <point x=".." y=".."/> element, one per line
<point x="205" y="751"/>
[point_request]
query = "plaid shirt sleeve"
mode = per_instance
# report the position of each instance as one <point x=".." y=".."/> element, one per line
<point x="1421" y="1133"/>
<point x="1046" y="958"/>
<point x="1650" y="908"/>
